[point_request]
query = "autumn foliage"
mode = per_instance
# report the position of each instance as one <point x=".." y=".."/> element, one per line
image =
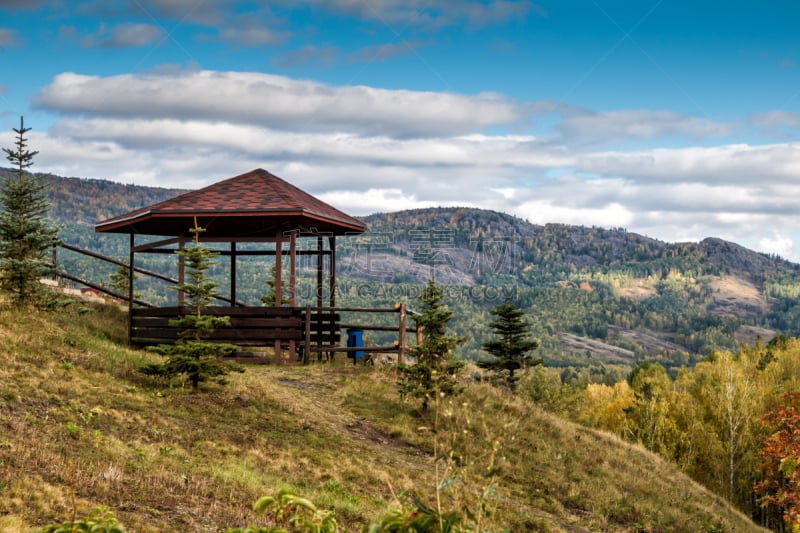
<point x="780" y="458"/>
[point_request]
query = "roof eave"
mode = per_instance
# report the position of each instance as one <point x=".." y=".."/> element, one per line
<point x="115" y="224"/>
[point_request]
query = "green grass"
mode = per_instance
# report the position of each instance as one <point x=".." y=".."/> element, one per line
<point x="77" y="420"/>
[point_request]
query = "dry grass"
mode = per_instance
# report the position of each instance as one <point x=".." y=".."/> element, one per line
<point x="77" y="419"/>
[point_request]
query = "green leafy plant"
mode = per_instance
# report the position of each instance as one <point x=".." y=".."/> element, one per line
<point x="291" y="514"/>
<point x="101" y="520"/>
<point x="413" y="515"/>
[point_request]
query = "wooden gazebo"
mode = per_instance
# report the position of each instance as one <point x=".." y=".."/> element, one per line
<point x="255" y="207"/>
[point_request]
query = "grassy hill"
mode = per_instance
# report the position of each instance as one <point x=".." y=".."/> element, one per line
<point x="80" y="428"/>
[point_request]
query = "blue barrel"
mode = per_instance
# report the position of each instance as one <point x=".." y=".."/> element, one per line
<point x="355" y="339"/>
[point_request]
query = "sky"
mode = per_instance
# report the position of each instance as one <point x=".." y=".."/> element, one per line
<point x="674" y="119"/>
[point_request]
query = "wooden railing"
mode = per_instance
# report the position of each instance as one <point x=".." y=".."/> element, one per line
<point x="309" y="329"/>
<point x="306" y="329"/>
<point x="249" y="326"/>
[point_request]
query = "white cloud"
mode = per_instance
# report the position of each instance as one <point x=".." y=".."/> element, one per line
<point x="124" y="36"/>
<point x="732" y="163"/>
<point x="324" y="56"/>
<point x="776" y="119"/>
<point x="425" y="13"/>
<point x="548" y="211"/>
<point x="363" y="202"/>
<point x="277" y="102"/>
<point x="777" y="243"/>
<point x="639" y="124"/>
<point x="250" y="32"/>
<point x="365" y="149"/>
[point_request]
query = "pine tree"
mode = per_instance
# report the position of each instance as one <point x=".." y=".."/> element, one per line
<point x="192" y="354"/>
<point x="269" y="299"/>
<point x="26" y="236"/>
<point x="435" y="372"/>
<point x="510" y="349"/>
<point x="121" y="281"/>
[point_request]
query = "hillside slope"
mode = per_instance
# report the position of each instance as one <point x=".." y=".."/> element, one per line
<point x="81" y="427"/>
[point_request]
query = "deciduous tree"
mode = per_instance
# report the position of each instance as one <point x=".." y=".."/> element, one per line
<point x="780" y="460"/>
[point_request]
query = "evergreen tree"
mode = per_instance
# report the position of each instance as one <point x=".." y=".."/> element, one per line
<point x="121" y="281"/>
<point x="192" y="354"/>
<point x="26" y="236"/>
<point x="434" y="372"/>
<point x="269" y="299"/>
<point x="510" y="350"/>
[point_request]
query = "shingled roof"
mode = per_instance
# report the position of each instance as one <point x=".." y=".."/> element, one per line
<point x="254" y="204"/>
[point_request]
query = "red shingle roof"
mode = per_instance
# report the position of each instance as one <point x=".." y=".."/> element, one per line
<point x="254" y="204"/>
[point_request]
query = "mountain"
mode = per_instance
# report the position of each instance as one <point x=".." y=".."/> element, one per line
<point x="598" y="299"/>
<point x="607" y="294"/>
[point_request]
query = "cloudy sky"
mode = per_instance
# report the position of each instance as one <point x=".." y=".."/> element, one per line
<point x="676" y="119"/>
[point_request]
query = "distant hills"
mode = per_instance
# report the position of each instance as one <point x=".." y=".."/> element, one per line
<point x="598" y="299"/>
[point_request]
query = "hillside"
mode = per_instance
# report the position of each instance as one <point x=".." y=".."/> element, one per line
<point x="595" y="295"/>
<point x="80" y="428"/>
<point x="599" y="299"/>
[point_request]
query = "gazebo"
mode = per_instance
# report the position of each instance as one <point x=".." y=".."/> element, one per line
<point x="255" y="207"/>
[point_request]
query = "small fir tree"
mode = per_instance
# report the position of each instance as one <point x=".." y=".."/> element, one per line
<point x="510" y="350"/>
<point x="26" y="236"/>
<point x="192" y="354"/>
<point x="269" y="299"/>
<point x="435" y="372"/>
<point x="121" y="281"/>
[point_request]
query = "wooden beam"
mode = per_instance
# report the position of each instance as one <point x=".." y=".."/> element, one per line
<point x="278" y="359"/>
<point x="181" y="270"/>
<point x="319" y="271"/>
<point x="332" y="274"/>
<point x="292" y="280"/>
<point x="233" y="273"/>
<point x="166" y="242"/>
<point x="131" y="277"/>
<point x="307" y="343"/>
<point x="401" y="336"/>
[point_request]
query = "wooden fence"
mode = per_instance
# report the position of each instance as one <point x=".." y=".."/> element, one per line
<point x="304" y="330"/>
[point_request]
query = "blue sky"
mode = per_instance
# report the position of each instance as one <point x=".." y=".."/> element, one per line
<point x="674" y="119"/>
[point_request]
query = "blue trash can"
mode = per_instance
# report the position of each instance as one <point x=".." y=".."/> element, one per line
<point x="355" y="339"/>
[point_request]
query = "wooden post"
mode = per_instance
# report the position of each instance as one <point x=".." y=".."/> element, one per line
<point x="332" y="266"/>
<point x="332" y="281"/>
<point x="278" y="290"/>
<point x="181" y="270"/>
<point x="233" y="274"/>
<point x="131" y="277"/>
<point x="319" y="271"/>
<point x="292" y="266"/>
<point x="292" y="280"/>
<point x="401" y="337"/>
<point x="307" y="328"/>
